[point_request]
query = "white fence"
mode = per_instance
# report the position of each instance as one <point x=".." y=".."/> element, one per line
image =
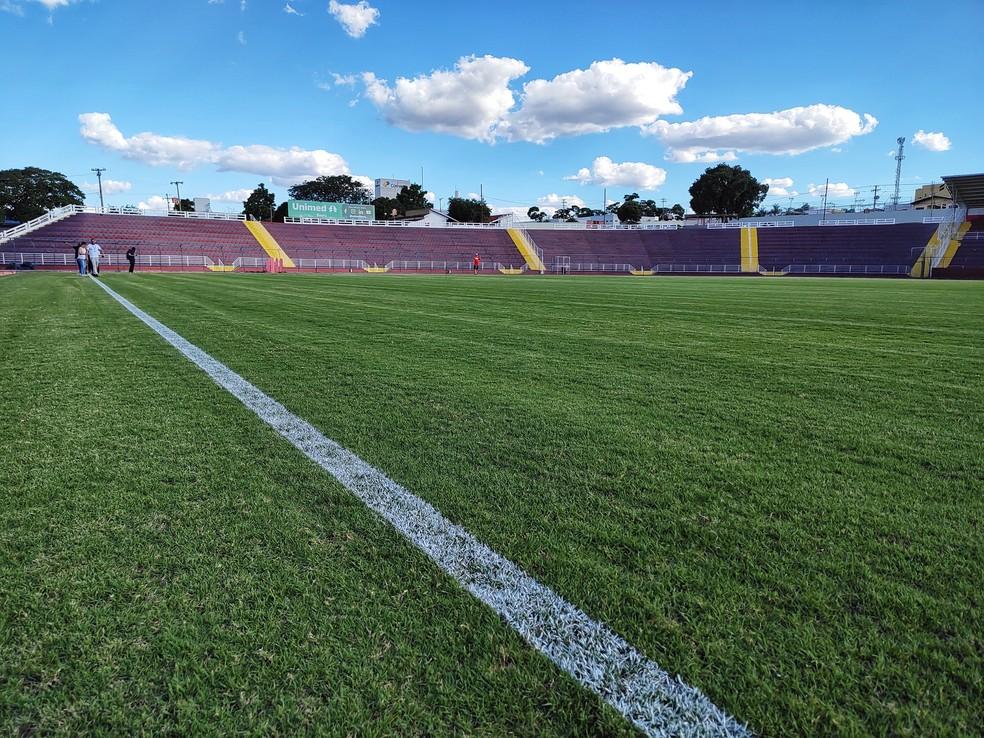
<point x="109" y="261"/>
<point x="858" y="222"/>
<point x="872" y="269"/>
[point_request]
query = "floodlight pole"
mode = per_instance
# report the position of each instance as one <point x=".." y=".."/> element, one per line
<point x="823" y="217"/>
<point x="99" y="175"/>
<point x="178" y="185"/>
<point x="898" y="171"/>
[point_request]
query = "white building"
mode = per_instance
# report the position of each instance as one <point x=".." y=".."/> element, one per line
<point x="390" y="187"/>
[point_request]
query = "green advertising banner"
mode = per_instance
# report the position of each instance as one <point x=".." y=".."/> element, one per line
<point x="329" y="210"/>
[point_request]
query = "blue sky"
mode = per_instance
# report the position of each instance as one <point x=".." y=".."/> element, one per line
<point x="533" y="102"/>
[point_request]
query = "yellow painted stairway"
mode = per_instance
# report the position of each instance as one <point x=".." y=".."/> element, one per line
<point x="268" y="242"/>
<point x="951" y="248"/>
<point x="923" y="268"/>
<point x="749" y="250"/>
<point x="526" y="250"/>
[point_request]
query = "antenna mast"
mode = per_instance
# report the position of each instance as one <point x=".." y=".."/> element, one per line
<point x="898" y="171"/>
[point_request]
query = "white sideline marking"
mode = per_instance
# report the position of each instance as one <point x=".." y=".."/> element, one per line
<point x="656" y="702"/>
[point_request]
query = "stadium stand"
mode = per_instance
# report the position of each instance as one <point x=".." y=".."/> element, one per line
<point x="887" y="249"/>
<point x="200" y="244"/>
<point x="578" y="251"/>
<point x="168" y="243"/>
<point x="414" y="249"/>
<point x="967" y="261"/>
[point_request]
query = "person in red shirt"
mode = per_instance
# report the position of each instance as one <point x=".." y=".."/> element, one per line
<point x="476" y="263"/>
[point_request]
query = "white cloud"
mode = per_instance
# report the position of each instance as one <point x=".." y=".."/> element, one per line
<point x="608" y="94"/>
<point x="241" y="37"/>
<point x="155" y="202"/>
<point x="474" y="100"/>
<point x="552" y="202"/>
<point x="473" y="196"/>
<point x="17" y="8"/>
<point x="467" y="101"/>
<point x="290" y="10"/>
<point x="835" y="191"/>
<point x="430" y="197"/>
<point x="931" y="141"/>
<point x="607" y="173"/>
<point x="780" y="187"/>
<point x="791" y="131"/>
<point x="355" y="18"/>
<point x="232" y="195"/>
<point x="109" y="186"/>
<point x="286" y="166"/>
<point x="344" y="80"/>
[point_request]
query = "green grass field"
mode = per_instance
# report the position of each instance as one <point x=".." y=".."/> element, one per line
<point x="772" y="487"/>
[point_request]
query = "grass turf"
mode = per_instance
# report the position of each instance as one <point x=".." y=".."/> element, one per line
<point x="772" y="487"/>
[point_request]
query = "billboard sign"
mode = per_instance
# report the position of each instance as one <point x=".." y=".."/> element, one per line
<point x="329" y="210"/>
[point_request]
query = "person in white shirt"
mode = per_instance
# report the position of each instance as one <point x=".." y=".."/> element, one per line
<point x="95" y="251"/>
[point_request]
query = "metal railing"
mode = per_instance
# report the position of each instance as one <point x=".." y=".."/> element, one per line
<point x="114" y="262"/>
<point x="872" y="269"/>
<point x="858" y="221"/>
<point x="32" y="225"/>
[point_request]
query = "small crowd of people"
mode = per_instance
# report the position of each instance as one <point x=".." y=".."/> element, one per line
<point x="88" y="255"/>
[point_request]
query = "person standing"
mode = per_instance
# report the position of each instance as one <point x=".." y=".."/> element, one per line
<point x="81" y="256"/>
<point x="131" y="256"/>
<point x="476" y="263"/>
<point x="95" y="251"/>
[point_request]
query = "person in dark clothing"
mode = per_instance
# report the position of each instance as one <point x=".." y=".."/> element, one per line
<point x="131" y="256"/>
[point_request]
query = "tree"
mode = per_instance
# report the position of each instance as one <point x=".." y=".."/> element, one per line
<point x="629" y="211"/>
<point x="339" y="188"/>
<point x="727" y="191"/>
<point x="30" y="192"/>
<point x="568" y="215"/>
<point x="185" y="205"/>
<point x="678" y="210"/>
<point x="468" y="211"/>
<point x="259" y="204"/>
<point x="534" y="213"/>
<point x="412" y="197"/>
<point x="385" y="206"/>
<point x="280" y="213"/>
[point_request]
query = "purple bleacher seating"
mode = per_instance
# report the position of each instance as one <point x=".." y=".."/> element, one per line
<point x="968" y="262"/>
<point x="220" y="240"/>
<point x="426" y="249"/>
<point x="890" y="246"/>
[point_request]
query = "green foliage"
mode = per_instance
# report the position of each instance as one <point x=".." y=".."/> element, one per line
<point x="31" y="192"/>
<point x="728" y="191"/>
<point x="535" y="214"/>
<point x="468" y="211"/>
<point x="630" y="211"/>
<point x="412" y="197"/>
<point x="260" y="203"/>
<point x="185" y="205"/>
<point x="338" y="188"/>
<point x="387" y="208"/>
<point x="280" y="213"/>
<point x="678" y="210"/>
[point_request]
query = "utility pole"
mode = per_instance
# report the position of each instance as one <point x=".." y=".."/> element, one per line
<point x="99" y="175"/>
<point x="604" y="208"/>
<point x="898" y="171"/>
<point x="874" y="199"/>
<point x="826" y="186"/>
<point x="178" y="186"/>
